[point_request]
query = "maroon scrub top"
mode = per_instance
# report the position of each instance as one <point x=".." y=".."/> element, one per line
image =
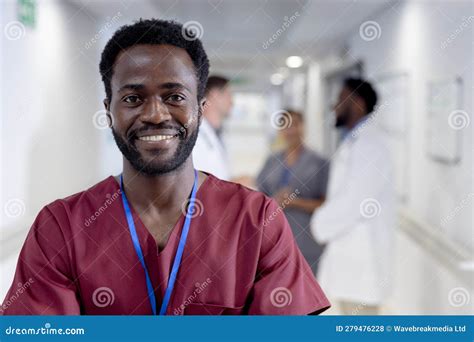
<point x="240" y="258"/>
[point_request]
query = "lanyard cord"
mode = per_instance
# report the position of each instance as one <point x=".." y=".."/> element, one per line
<point x="179" y="252"/>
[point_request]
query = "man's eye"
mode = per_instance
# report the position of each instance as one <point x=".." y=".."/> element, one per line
<point x="176" y="98"/>
<point x="132" y="99"/>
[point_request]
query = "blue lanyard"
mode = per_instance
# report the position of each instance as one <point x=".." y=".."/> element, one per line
<point x="179" y="252"/>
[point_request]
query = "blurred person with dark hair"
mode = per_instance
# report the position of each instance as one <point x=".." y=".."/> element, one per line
<point x="356" y="221"/>
<point x="297" y="178"/>
<point x="209" y="153"/>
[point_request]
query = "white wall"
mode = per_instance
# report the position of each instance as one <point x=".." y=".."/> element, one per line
<point x="247" y="134"/>
<point x="50" y="90"/>
<point x="413" y="37"/>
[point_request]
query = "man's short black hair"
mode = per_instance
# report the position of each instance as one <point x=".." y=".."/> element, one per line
<point x="154" y="32"/>
<point x="216" y="82"/>
<point x="364" y="90"/>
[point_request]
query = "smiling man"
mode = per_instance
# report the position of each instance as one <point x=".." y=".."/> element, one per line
<point x="162" y="238"/>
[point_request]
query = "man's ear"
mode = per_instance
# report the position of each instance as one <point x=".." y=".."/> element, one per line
<point x="108" y="114"/>
<point x="202" y="105"/>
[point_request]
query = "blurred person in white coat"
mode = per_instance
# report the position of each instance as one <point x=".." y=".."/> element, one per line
<point x="209" y="153"/>
<point x="356" y="221"/>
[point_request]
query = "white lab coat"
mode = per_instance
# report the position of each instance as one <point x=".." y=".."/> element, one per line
<point x="357" y="220"/>
<point x="209" y="154"/>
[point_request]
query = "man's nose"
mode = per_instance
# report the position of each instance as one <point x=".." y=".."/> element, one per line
<point x="155" y="111"/>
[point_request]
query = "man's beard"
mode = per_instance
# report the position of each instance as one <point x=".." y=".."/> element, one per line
<point x="341" y="120"/>
<point x="131" y="153"/>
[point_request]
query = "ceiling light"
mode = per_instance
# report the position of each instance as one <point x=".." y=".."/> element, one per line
<point x="277" y="79"/>
<point x="294" y="61"/>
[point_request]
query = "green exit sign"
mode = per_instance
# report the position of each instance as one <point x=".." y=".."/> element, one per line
<point x="27" y="12"/>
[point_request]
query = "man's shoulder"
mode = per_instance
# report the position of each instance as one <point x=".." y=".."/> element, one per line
<point x="72" y="213"/>
<point x="249" y="210"/>
<point x="373" y="140"/>
<point x="231" y="188"/>
<point x="107" y="189"/>
<point x="225" y="192"/>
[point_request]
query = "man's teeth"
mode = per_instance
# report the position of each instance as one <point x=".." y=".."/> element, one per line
<point x="156" y="137"/>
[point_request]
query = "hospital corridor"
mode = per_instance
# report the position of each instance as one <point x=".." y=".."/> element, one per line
<point x="325" y="149"/>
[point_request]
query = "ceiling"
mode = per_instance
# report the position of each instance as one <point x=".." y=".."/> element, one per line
<point x="236" y="34"/>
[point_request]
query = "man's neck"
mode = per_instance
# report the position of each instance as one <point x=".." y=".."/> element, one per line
<point x="355" y="121"/>
<point x="159" y="193"/>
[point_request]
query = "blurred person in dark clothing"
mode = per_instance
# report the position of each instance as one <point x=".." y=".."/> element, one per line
<point x="297" y="178"/>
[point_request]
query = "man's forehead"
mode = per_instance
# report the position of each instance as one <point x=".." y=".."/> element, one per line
<point x="162" y="63"/>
